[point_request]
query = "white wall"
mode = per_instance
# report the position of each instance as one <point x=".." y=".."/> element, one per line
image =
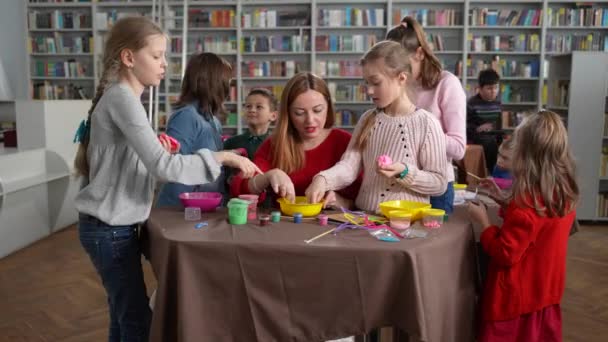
<point x="13" y="46"/>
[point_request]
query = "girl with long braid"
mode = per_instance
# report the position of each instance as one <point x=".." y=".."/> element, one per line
<point x="120" y="159"/>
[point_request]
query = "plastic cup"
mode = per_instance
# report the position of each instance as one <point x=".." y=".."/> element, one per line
<point x="252" y="211"/>
<point x="237" y="211"/>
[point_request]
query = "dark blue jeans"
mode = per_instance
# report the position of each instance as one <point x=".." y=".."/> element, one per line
<point x="445" y="201"/>
<point x="116" y="255"/>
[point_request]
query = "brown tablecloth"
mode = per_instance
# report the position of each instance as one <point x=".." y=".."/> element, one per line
<point x="250" y="283"/>
<point x="474" y="161"/>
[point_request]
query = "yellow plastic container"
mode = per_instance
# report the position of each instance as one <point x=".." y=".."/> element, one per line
<point x="301" y="205"/>
<point x="433" y="218"/>
<point x="414" y="208"/>
<point x="458" y="186"/>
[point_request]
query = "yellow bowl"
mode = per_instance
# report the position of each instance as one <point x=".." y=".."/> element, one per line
<point x="301" y="205"/>
<point x="415" y="208"/>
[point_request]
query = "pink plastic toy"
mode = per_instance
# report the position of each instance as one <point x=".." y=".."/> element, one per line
<point x="174" y="143"/>
<point x="384" y="160"/>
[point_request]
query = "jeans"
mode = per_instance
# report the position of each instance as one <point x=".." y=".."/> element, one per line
<point x="445" y="201"/>
<point x="116" y="255"/>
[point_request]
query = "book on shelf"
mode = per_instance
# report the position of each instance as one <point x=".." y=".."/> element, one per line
<point x="499" y="43"/>
<point x="48" y="91"/>
<point x="504" y="67"/>
<point x="270" y="68"/>
<point x="581" y="16"/>
<point x="276" y="43"/>
<point x="568" y="42"/>
<point x="342" y="68"/>
<point x="60" y="44"/>
<point x="347" y="117"/>
<point x="264" y="18"/>
<point x="202" y="18"/>
<point x="58" y="19"/>
<point x="69" y="68"/>
<point x="215" y="44"/>
<point x="504" y="17"/>
<point x="510" y="119"/>
<point x="513" y="94"/>
<point x="430" y="17"/>
<point x="276" y="90"/>
<point x="347" y="92"/>
<point x="358" y="17"/>
<point x="345" y="43"/>
<point x="105" y="20"/>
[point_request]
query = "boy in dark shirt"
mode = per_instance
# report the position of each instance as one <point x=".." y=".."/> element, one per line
<point x="483" y="114"/>
<point x="260" y="111"/>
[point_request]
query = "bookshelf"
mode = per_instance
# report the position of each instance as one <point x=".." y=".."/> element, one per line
<point x="268" y="40"/>
<point x="587" y="123"/>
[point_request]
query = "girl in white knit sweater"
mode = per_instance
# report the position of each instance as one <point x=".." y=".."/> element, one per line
<point x="411" y="137"/>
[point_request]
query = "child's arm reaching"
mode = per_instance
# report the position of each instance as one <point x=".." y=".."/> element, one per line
<point x="430" y="178"/>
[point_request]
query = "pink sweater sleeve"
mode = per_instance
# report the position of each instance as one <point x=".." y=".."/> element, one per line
<point x="452" y="102"/>
<point x="345" y="172"/>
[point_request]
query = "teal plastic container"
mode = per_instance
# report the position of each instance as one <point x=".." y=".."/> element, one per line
<point x="237" y="211"/>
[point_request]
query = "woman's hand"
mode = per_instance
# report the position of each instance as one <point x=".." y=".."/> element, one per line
<point x="390" y="171"/>
<point x="281" y="184"/>
<point x="316" y="190"/>
<point x="478" y="214"/>
<point x="247" y="167"/>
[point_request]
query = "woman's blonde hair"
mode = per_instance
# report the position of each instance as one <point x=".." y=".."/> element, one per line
<point x="411" y="36"/>
<point x="543" y="167"/>
<point x="396" y="61"/>
<point x="128" y="33"/>
<point x="287" y="151"/>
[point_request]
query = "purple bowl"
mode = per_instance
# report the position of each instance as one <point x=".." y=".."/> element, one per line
<point x="206" y="201"/>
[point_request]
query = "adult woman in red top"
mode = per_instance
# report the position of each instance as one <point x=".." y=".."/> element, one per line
<point x="526" y="274"/>
<point x="303" y="144"/>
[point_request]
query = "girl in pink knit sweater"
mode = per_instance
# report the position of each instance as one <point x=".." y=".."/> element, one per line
<point x="411" y="137"/>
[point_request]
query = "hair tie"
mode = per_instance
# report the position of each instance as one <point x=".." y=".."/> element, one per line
<point x="82" y="131"/>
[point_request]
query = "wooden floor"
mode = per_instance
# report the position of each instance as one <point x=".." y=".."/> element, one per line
<point x="50" y="292"/>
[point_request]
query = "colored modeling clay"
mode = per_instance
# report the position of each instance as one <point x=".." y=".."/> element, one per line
<point x="174" y="143"/>
<point x="384" y="160"/>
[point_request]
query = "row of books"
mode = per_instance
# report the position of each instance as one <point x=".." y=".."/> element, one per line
<point x="518" y="42"/>
<point x="58" y="20"/>
<point x="270" y="68"/>
<point x="215" y="44"/>
<point x="351" y="17"/>
<point x="504" y="67"/>
<point x="345" y="43"/>
<point x="347" y="92"/>
<point x="504" y="17"/>
<point x="435" y="41"/>
<point x="510" y="119"/>
<point x="577" y="17"/>
<point x="347" y="117"/>
<point x="48" y="91"/>
<point x="105" y="20"/>
<point x="510" y="93"/>
<point x="558" y="93"/>
<point x="297" y="43"/>
<point x="338" y="68"/>
<point x="276" y="90"/>
<point x="211" y="18"/>
<point x="60" y="44"/>
<point x="271" y="18"/>
<point x="602" y="203"/>
<point x="573" y="41"/>
<point x="430" y="17"/>
<point x="69" y="68"/>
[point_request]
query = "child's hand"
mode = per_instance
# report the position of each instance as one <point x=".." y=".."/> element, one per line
<point x="316" y="190"/>
<point x="247" y="167"/>
<point x="478" y="214"/>
<point x="281" y="184"/>
<point x="165" y="143"/>
<point x="390" y="171"/>
<point x="493" y="191"/>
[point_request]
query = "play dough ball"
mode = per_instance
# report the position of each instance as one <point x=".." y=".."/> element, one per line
<point x="385" y="160"/>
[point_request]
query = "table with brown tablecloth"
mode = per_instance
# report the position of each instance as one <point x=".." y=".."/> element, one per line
<point x="251" y="283"/>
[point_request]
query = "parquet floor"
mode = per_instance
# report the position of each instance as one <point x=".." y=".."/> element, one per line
<point x="50" y="292"/>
